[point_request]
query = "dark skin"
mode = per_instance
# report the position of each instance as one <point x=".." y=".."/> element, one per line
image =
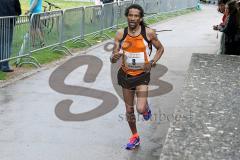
<point x="134" y="29"/>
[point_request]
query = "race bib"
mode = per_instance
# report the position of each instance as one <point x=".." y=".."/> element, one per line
<point x="134" y="61"/>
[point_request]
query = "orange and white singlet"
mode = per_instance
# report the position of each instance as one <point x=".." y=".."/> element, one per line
<point x="135" y="52"/>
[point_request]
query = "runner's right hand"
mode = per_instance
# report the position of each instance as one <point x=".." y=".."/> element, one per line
<point x="114" y="57"/>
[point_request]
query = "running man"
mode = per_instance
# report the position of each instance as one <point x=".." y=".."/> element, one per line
<point x="132" y="44"/>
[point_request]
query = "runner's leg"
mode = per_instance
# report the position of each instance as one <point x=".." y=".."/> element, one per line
<point x="128" y="96"/>
<point x="142" y="95"/>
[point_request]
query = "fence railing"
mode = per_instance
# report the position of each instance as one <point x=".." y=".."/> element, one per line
<point x="53" y="29"/>
<point x="73" y="24"/>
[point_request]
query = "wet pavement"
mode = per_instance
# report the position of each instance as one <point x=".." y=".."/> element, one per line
<point x="37" y="122"/>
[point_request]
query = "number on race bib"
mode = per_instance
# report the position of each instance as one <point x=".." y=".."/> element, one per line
<point x="133" y="61"/>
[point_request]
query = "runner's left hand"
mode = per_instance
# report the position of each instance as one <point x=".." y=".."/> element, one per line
<point x="147" y="67"/>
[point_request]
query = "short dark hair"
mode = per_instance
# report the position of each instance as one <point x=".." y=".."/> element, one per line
<point x="135" y="6"/>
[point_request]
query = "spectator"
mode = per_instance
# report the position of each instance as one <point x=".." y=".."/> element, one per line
<point x="7" y="8"/>
<point x="221" y="9"/>
<point x="35" y="6"/>
<point x="232" y="29"/>
<point x="36" y="31"/>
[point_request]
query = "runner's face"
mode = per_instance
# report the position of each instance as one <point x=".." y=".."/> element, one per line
<point x="134" y="18"/>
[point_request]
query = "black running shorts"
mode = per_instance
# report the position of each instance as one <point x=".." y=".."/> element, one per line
<point x="131" y="82"/>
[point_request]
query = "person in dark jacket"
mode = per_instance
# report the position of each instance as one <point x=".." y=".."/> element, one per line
<point x="232" y="29"/>
<point x="221" y="9"/>
<point x="7" y="8"/>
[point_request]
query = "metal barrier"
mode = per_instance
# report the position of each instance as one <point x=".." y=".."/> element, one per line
<point x="194" y="3"/>
<point x="6" y="36"/>
<point x="93" y="20"/>
<point x="121" y="14"/>
<point x="182" y="5"/>
<point x="151" y="7"/>
<point x="174" y="6"/>
<point x="139" y="2"/>
<point x="46" y="30"/>
<point x="110" y="15"/>
<point x="187" y="4"/>
<point x="73" y="25"/>
<point x="169" y="5"/>
<point x="14" y="41"/>
<point x="163" y="6"/>
<point x="52" y="29"/>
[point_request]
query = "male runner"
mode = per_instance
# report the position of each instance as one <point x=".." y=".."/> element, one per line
<point x="132" y="44"/>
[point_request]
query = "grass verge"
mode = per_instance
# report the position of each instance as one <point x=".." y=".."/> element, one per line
<point x="3" y="75"/>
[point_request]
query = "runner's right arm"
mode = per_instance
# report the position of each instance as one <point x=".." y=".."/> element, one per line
<point x="115" y="54"/>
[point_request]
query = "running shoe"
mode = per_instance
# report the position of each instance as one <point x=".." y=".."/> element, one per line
<point x="148" y="114"/>
<point x="134" y="141"/>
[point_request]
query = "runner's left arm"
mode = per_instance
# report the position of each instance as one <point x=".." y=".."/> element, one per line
<point x="157" y="44"/>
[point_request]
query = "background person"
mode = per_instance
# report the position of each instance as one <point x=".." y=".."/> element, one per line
<point x="36" y="31"/>
<point x="221" y="9"/>
<point x="232" y="29"/>
<point x="7" y="8"/>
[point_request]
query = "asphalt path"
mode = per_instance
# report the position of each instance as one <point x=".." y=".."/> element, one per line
<point x="58" y="114"/>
